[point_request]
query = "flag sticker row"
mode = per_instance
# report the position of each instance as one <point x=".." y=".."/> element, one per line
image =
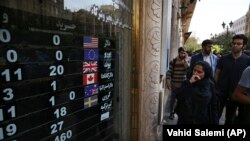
<point x="98" y="74"/>
<point x="90" y="71"/>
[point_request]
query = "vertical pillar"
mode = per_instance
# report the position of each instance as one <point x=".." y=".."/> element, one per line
<point x="150" y="45"/>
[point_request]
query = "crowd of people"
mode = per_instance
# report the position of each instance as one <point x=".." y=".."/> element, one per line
<point x="204" y="84"/>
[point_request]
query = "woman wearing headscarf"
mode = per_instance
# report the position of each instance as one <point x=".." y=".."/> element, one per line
<point x="197" y="102"/>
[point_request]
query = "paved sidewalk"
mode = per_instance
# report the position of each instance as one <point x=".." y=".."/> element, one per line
<point x="168" y="121"/>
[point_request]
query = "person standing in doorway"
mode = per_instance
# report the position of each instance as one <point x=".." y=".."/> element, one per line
<point x="206" y="54"/>
<point x="242" y="95"/>
<point x="228" y="73"/>
<point x="175" y="76"/>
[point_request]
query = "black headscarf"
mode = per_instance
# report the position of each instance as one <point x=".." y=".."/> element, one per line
<point x="206" y="68"/>
<point x="208" y="77"/>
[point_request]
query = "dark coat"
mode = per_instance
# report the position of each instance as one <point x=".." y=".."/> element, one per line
<point x="197" y="103"/>
<point x="199" y="57"/>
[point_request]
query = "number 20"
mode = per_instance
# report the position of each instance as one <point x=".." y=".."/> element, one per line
<point x="56" y="70"/>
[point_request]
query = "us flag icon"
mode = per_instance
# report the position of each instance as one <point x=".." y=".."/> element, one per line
<point x="90" y="42"/>
<point x="90" y="78"/>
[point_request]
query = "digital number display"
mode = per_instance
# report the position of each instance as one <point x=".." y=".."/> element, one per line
<point x="56" y="82"/>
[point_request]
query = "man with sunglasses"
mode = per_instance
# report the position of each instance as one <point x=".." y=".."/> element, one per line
<point x="227" y="75"/>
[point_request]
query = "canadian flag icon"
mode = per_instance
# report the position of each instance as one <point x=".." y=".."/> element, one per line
<point x="90" y="78"/>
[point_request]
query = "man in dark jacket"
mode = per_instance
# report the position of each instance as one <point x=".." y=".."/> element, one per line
<point x="228" y="73"/>
<point x="205" y="55"/>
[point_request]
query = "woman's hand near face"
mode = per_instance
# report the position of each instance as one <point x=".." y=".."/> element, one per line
<point x="198" y="73"/>
<point x="194" y="78"/>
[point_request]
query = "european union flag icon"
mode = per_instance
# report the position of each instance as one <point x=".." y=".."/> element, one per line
<point x="91" y="54"/>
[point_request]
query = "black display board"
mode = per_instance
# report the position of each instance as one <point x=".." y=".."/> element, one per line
<point x="55" y="85"/>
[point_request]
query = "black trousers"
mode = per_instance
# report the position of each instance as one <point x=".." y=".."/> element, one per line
<point x="231" y="108"/>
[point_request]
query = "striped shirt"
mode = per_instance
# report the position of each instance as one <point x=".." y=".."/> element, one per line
<point x="177" y="74"/>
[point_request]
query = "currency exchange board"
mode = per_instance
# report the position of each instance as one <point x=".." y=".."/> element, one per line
<point x="55" y="83"/>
